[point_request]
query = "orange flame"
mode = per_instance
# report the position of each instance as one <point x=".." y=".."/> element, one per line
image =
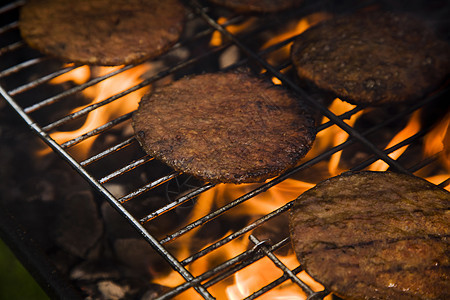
<point x="247" y="283"/>
<point x="100" y="92"/>
<point x="78" y="75"/>
<point x="410" y="129"/>
<point x="217" y="38"/>
<point x="438" y="179"/>
<point x="334" y="135"/>
<point x="257" y="206"/>
<point x="276" y="81"/>
<point x="260" y="204"/>
<point x="295" y="28"/>
<point x="437" y="140"/>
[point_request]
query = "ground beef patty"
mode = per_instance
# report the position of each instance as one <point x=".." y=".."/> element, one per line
<point x="375" y="235"/>
<point x="102" y="32"/>
<point x="372" y="58"/>
<point x="258" y="6"/>
<point x="224" y="127"/>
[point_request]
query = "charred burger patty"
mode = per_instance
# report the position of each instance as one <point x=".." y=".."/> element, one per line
<point x="375" y="235"/>
<point x="372" y="58"/>
<point x="224" y="127"/>
<point x="102" y="32"/>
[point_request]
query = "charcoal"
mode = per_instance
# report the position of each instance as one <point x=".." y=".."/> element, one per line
<point x="78" y="226"/>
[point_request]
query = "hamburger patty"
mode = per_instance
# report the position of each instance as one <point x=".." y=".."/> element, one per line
<point x="102" y="32"/>
<point x="372" y="58"/>
<point x="375" y="235"/>
<point x="258" y="6"/>
<point x="224" y="127"/>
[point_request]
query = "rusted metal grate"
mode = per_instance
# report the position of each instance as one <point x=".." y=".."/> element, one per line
<point x="23" y="85"/>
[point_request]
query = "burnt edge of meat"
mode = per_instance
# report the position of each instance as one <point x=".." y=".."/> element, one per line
<point x="375" y="235"/>
<point x="224" y="158"/>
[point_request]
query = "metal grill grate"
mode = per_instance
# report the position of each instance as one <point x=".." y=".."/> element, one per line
<point x="23" y="85"/>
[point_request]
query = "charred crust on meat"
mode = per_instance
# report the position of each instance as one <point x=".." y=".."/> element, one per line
<point x="102" y="32"/>
<point x="387" y="232"/>
<point x="372" y="58"/>
<point x="225" y="127"/>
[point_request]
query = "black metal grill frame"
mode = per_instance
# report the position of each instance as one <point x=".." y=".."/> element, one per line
<point x="261" y="249"/>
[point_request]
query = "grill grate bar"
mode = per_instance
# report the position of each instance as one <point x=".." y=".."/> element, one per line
<point x="279" y="264"/>
<point x="273" y="284"/>
<point x="177" y="202"/>
<point x="149" y="186"/>
<point x="9" y="26"/>
<point x="39" y="81"/>
<point x="403" y="143"/>
<point x="73" y="90"/>
<point x="127" y="168"/>
<point x="218" y="212"/>
<point x="108" y="151"/>
<point x="22" y="66"/>
<point x="345" y="116"/>
<point x="444" y="183"/>
<point x="11" y="6"/>
<point x="425" y="162"/>
<point x="96" y="131"/>
<point x="240" y="261"/>
<point x="87" y="109"/>
<point x="11" y="47"/>
<point x="94" y="106"/>
<point x="237" y="234"/>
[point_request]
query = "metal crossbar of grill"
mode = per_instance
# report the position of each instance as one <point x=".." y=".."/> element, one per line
<point x="252" y="56"/>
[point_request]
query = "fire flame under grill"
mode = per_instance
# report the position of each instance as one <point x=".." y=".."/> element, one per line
<point x="83" y="113"/>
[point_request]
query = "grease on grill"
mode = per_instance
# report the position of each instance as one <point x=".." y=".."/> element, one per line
<point x="372" y="57"/>
<point x="224" y="127"/>
<point x="375" y="235"/>
<point x="102" y="32"/>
